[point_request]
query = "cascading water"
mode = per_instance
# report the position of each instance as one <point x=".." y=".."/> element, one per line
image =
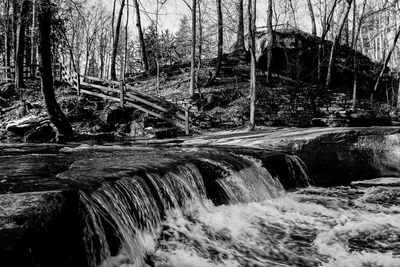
<point x="174" y="206"/>
<point x="124" y="218"/>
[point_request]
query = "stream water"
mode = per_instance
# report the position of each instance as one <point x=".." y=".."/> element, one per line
<point x="311" y="227"/>
<point x="212" y="207"/>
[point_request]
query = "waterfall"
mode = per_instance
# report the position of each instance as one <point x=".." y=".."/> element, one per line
<point x="122" y="218"/>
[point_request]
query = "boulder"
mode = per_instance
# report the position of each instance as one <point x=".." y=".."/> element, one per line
<point x="113" y="115"/>
<point x="329" y="122"/>
<point x="42" y="133"/>
<point x="7" y="91"/>
<point x="360" y="118"/>
<point x="23" y="125"/>
<point x="137" y="129"/>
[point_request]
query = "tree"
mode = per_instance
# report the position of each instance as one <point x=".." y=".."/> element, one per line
<point x="220" y="38"/>
<point x="326" y="22"/>
<point x="312" y="16"/>
<point x="336" y="42"/>
<point x="33" y="37"/>
<point x="7" y="48"/>
<point x="193" y="53"/>
<point x="145" y="61"/>
<point x="252" y="8"/>
<point x="57" y="117"/>
<point x="354" y="42"/>
<point x="240" y="27"/>
<point x="20" y="44"/>
<point x="113" y="73"/>
<point x="270" y="40"/>
<point x="396" y="38"/>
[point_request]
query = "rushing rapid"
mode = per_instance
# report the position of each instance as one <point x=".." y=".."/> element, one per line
<point x="240" y="217"/>
<point x="312" y="227"/>
<point x="205" y="207"/>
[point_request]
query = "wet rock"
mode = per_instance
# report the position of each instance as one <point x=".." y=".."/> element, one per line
<point x="7" y="91"/>
<point x="362" y="118"/>
<point x="113" y="115"/>
<point x="329" y="122"/>
<point x="137" y="129"/>
<point x="23" y="125"/>
<point x="43" y="133"/>
<point x="383" y="181"/>
<point x="37" y="229"/>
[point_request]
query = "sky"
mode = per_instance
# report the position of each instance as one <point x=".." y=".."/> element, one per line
<point x="174" y="10"/>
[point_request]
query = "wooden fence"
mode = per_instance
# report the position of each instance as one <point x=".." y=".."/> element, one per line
<point x="127" y="95"/>
<point x="7" y="74"/>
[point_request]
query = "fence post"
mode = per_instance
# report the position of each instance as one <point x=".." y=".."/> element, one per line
<point x="121" y="88"/>
<point x="78" y="84"/>
<point x="187" y="128"/>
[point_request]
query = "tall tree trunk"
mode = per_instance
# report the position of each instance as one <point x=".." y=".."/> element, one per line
<point x="354" y="42"/>
<point x="398" y="97"/>
<point x="240" y="46"/>
<point x="7" y="53"/>
<point x="396" y="38"/>
<point x="312" y="16"/>
<point x="252" y="8"/>
<point x="220" y="38"/>
<point x="326" y="25"/>
<point x="15" y="8"/>
<point x="200" y="45"/>
<point x="335" y="43"/>
<point x="116" y="41"/>
<point x="20" y="45"/>
<point x="354" y="30"/>
<point x="193" y="53"/>
<point x="33" y="38"/>
<point x="270" y="40"/>
<point x="293" y="13"/>
<point x="126" y="40"/>
<point x="57" y="117"/>
<point x="145" y="61"/>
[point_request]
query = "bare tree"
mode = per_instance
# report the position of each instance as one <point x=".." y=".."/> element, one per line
<point x="252" y="8"/>
<point x="220" y="38"/>
<point x="20" y="45"/>
<point x="7" y="52"/>
<point x="396" y="38"/>
<point x="33" y="37"/>
<point x="116" y="41"/>
<point x="354" y="42"/>
<point x="312" y="16"/>
<point x="193" y="53"/>
<point x="326" y="22"/>
<point x="270" y="39"/>
<point x="145" y="61"/>
<point x="57" y="117"/>
<point x="240" y="27"/>
<point x="336" y="42"/>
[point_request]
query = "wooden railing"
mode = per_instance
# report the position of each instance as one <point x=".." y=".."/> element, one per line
<point x="127" y="95"/>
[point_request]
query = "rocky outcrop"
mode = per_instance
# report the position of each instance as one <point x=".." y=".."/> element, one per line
<point x="333" y="156"/>
<point x="7" y="91"/>
<point x="295" y="55"/>
<point x="33" y="129"/>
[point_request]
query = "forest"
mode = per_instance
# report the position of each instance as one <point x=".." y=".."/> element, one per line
<point x="129" y="68"/>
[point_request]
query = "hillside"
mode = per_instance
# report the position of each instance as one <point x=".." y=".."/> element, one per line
<point x="288" y="101"/>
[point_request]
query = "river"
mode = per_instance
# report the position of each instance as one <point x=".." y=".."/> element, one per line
<point x="198" y="206"/>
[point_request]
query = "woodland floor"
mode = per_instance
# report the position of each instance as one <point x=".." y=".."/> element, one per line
<point x="222" y="106"/>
